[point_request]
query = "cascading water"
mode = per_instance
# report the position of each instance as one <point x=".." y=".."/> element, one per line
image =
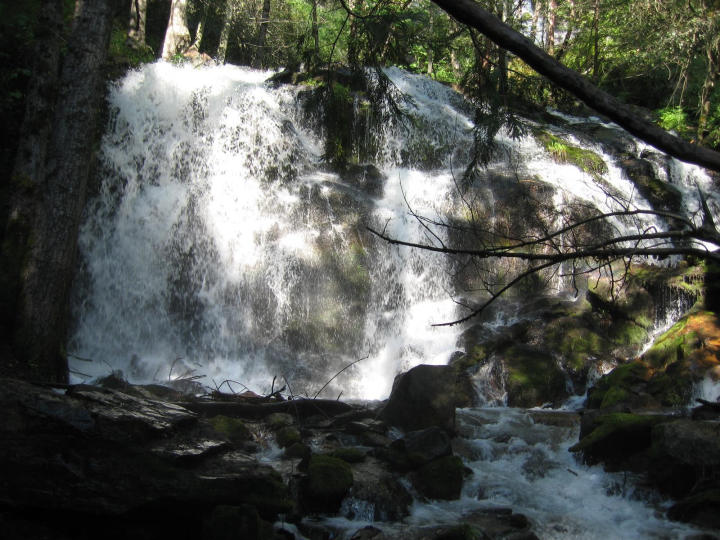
<point x="219" y="239"/>
<point x="219" y="236"/>
<point x="221" y="244"/>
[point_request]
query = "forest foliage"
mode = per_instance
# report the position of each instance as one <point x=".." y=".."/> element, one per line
<point x="660" y="55"/>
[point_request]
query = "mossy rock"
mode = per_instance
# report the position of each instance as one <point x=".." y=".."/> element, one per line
<point x="234" y="429"/>
<point x="328" y="481"/>
<point x="276" y="421"/>
<point x="297" y="450"/>
<point x="617" y="438"/>
<point x="674" y="386"/>
<point x="619" y="385"/>
<point x="564" y="152"/>
<point x="533" y="377"/>
<point x="288" y="436"/>
<point x="349" y="454"/>
<point x="661" y="195"/>
<point x="575" y="340"/>
<point x="695" y="339"/>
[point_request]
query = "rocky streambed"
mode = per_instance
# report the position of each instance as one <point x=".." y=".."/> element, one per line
<point x="115" y="460"/>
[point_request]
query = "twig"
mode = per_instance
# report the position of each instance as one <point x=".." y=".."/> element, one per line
<point x="76" y="357"/>
<point x="338" y="373"/>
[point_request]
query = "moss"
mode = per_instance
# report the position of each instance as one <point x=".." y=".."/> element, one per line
<point x="564" y="152"/>
<point x="349" y="454"/>
<point x="614" y="396"/>
<point x="612" y="428"/>
<point x="234" y="429"/>
<point x="125" y="52"/>
<point x="674" y="386"/>
<point x="533" y="377"/>
<point x="618" y="383"/>
<point x="675" y="344"/>
<point x="328" y="481"/>
<point x="626" y="332"/>
<point x="288" y="436"/>
<point x="276" y="421"/>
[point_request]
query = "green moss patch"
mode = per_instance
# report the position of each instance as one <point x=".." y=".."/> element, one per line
<point x="533" y="377"/>
<point x="328" y="481"/>
<point x="564" y="152"/>
<point x="617" y="438"/>
<point x="234" y="429"/>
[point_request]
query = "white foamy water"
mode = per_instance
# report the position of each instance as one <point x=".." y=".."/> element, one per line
<point x="220" y="240"/>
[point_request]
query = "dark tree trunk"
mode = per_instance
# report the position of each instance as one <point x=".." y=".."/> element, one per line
<point x="49" y="268"/>
<point x="28" y="173"/>
<point x="470" y="13"/>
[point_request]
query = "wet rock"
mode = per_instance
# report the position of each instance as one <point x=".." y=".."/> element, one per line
<point x="389" y="500"/>
<point x="702" y="509"/>
<point x="366" y="533"/>
<point x="666" y="374"/>
<point x="440" y="479"/>
<point x="533" y="377"/>
<point x="623" y="387"/>
<point x="233" y="428"/>
<point x="619" y="440"/>
<point x="685" y="454"/>
<point x="425" y="445"/>
<point x="327" y="482"/>
<point x="121" y="464"/>
<point x="661" y="195"/>
<point x="349" y="454"/>
<point x="427" y="396"/>
<point x="500" y="523"/>
<point x="366" y="177"/>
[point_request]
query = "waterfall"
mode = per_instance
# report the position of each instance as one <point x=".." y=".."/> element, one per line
<point x="221" y="244"/>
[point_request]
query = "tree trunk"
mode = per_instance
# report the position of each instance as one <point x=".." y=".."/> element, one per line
<point x="49" y="268"/>
<point x="552" y="22"/>
<point x="315" y="33"/>
<point x="28" y="173"/>
<point x="138" y="19"/>
<point x="262" y="35"/>
<point x="470" y="13"/>
<point x="353" y="36"/>
<point x="177" y="35"/>
<point x="225" y="32"/>
<point x="711" y="76"/>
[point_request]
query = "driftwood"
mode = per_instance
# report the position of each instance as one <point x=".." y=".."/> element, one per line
<point x="300" y="408"/>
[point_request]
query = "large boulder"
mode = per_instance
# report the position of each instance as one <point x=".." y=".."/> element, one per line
<point x="326" y="484"/>
<point x="685" y="453"/>
<point x="620" y="441"/>
<point x="428" y="396"/>
<point x="120" y="465"/>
